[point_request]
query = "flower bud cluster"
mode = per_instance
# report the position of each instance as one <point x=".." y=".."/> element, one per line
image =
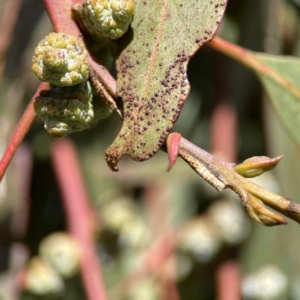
<point x="58" y="259"/>
<point x="62" y="60"/>
<point x="106" y="18"/>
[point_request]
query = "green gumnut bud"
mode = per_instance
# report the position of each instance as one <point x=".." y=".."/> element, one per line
<point x="61" y="252"/>
<point x="61" y="59"/>
<point x="108" y="18"/>
<point x="257" y="165"/>
<point x="258" y="211"/>
<point x="65" y="109"/>
<point x="42" y="280"/>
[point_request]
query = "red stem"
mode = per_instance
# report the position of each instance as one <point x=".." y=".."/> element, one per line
<point x="79" y="215"/>
<point x="20" y="131"/>
<point x="249" y="59"/>
<point x="223" y="131"/>
<point x="156" y="201"/>
<point x="24" y="165"/>
<point x="8" y="21"/>
<point x="228" y="281"/>
<point x="60" y="14"/>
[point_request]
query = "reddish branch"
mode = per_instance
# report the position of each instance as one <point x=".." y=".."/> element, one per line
<point x="223" y="130"/>
<point x="79" y="215"/>
<point x="20" y="132"/>
<point x="248" y="58"/>
<point x="8" y="21"/>
<point x="24" y="165"/>
<point x="157" y="205"/>
<point x="228" y="281"/>
<point x="60" y="14"/>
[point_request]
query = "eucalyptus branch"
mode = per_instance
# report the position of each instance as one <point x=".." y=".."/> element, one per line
<point x="20" y="132"/>
<point x="248" y="59"/>
<point x="222" y="175"/>
<point x="79" y="214"/>
<point x="7" y="25"/>
<point x="216" y="172"/>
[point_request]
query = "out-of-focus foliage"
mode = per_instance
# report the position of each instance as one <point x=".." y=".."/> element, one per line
<point x="210" y="227"/>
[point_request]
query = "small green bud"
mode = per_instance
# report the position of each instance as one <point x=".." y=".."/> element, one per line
<point x="108" y="18"/>
<point x="257" y="165"/>
<point x="61" y="252"/>
<point x="61" y="59"/>
<point x="258" y="211"/>
<point x="42" y="279"/>
<point x="65" y="109"/>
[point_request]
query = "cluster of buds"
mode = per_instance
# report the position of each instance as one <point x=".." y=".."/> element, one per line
<point x="58" y="259"/>
<point x="257" y="198"/>
<point x="62" y="60"/>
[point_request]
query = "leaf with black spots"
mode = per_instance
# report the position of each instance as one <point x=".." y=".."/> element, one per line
<point x="152" y="70"/>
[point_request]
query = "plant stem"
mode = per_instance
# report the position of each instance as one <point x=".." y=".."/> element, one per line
<point x="60" y="13"/>
<point x="222" y="175"/>
<point x="79" y="215"/>
<point x="228" y="281"/>
<point x="20" y="131"/>
<point x="8" y="21"/>
<point x="156" y="196"/>
<point x="248" y="58"/>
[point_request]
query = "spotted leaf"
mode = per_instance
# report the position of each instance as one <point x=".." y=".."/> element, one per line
<point x="152" y="70"/>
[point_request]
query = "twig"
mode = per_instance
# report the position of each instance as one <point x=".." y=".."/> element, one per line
<point x="79" y="215"/>
<point x="247" y="58"/>
<point x="228" y="281"/>
<point x="223" y="130"/>
<point x="24" y="165"/>
<point x="223" y="175"/>
<point x="60" y="13"/>
<point x="20" y="131"/>
<point x="8" y="21"/>
<point x="156" y="195"/>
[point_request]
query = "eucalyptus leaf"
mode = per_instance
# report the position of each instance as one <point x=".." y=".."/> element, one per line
<point x="152" y="70"/>
<point x="283" y="88"/>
